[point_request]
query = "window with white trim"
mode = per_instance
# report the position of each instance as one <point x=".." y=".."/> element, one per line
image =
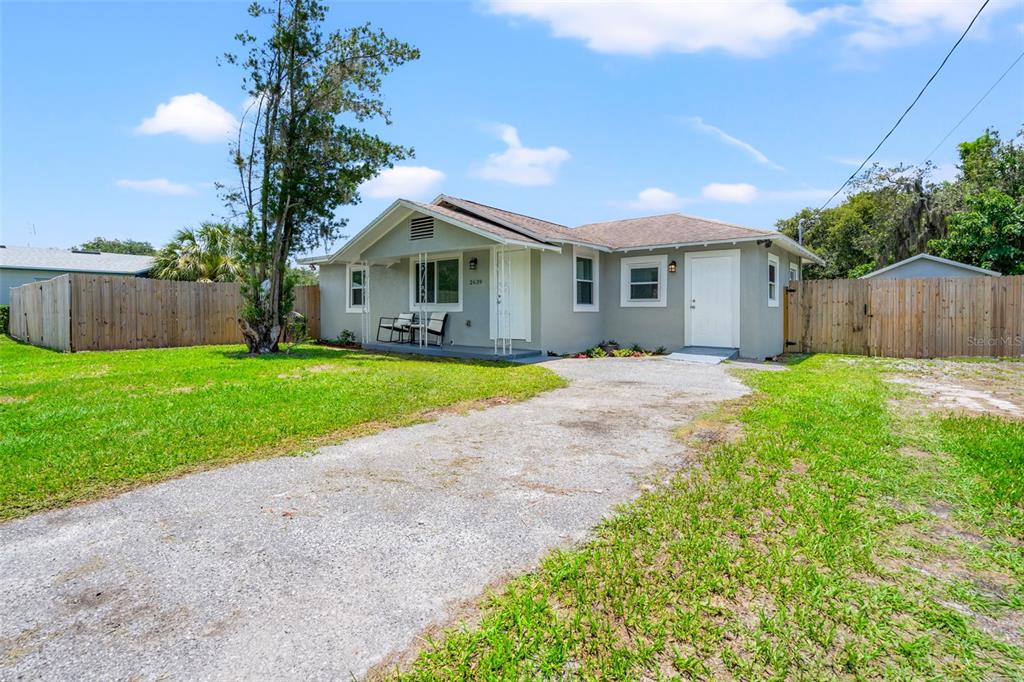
<point x="644" y="279"/>
<point x="441" y="285"/>
<point x="794" y="272"/>
<point x="773" y="280"/>
<point x="585" y="281"/>
<point x="356" y="288"/>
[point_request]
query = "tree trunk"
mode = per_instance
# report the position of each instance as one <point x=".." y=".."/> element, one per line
<point x="262" y="337"/>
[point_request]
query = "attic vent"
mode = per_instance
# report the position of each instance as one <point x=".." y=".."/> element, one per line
<point x="421" y="228"/>
<point x="91" y="252"/>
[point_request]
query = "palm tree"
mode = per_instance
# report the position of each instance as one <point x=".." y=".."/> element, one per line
<point x="207" y="254"/>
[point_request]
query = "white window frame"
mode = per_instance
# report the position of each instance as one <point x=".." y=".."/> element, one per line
<point x="349" y="307"/>
<point x="594" y="307"/>
<point x="413" y="284"/>
<point x="773" y="302"/>
<point x="628" y="264"/>
<point x="794" y="272"/>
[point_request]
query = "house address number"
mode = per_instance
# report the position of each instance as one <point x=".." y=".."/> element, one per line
<point x="475" y="281"/>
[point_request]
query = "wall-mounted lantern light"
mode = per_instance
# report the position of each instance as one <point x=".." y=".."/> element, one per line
<point x="672" y="266"/>
<point x="472" y="263"/>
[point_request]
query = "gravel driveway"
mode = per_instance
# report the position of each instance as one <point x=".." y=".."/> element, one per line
<point x="319" y="567"/>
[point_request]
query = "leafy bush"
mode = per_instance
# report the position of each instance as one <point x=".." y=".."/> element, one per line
<point x="346" y="338"/>
<point x="5" y="319"/>
<point x="596" y="352"/>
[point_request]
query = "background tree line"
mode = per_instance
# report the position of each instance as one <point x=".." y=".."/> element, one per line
<point x="894" y="213"/>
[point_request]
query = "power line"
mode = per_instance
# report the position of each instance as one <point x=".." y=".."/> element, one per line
<point x="907" y="111"/>
<point x="976" y="105"/>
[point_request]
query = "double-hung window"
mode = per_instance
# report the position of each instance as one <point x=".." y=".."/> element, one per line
<point x="585" y="281"/>
<point x="773" y="280"/>
<point x="644" y="281"/>
<point x="794" y="272"/>
<point x="436" y="284"/>
<point x="356" y="288"/>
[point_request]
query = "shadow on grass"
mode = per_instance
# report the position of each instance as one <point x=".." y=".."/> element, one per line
<point x="355" y="356"/>
<point x="793" y="359"/>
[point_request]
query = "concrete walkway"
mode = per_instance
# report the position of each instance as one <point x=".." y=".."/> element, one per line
<point x="320" y="567"/>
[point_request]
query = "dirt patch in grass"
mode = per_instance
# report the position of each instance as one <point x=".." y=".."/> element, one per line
<point x="990" y="387"/>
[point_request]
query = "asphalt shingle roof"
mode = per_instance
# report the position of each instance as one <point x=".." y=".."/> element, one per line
<point x="671" y="228"/>
<point x="477" y="222"/>
<point x="63" y="260"/>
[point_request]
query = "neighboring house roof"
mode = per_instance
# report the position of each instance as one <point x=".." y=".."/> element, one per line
<point x="935" y="259"/>
<point x="673" y="229"/>
<point x="64" y="260"/>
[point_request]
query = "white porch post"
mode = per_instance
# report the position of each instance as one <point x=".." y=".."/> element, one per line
<point x="422" y="283"/>
<point x="367" y="313"/>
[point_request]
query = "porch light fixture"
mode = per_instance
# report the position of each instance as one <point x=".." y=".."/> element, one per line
<point x="672" y="267"/>
<point x="472" y="263"/>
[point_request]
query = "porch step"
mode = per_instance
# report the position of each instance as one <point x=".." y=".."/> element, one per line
<point x="704" y="354"/>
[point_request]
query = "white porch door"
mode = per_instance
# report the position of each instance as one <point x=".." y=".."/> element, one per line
<point x="510" y="295"/>
<point x="714" y="300"/>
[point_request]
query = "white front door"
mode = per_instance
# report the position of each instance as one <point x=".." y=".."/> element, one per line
<point x="713" y="299"/>
<point x="510" y="295"/>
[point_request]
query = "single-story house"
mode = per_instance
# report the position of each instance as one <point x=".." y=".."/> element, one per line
<point x="507" y="280"/>
<point x="927" y="265"/>
<point x="25" y="264"/>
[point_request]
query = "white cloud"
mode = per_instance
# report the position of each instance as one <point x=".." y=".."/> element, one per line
<point x="749" y="29"/>
<point x="403" y="181"/>
<point x="195" y="116"/>
<point x="157" y="186"/>
<point x="885" y="24"/>
<point x="655" y="199"/>
<point x="521" y="165"/>
<point x="699" y="125"/>
<point x="737" y="193"/>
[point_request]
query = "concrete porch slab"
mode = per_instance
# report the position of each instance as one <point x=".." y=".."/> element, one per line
<point x="704" y="354"/>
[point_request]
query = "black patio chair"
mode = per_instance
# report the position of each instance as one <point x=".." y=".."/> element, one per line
<point x="400" y="325"/>
<point x="435" y="327"/>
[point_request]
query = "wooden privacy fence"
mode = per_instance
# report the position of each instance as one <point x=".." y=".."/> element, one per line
<point x="907" y="318"/>
<point x="104" y="312"/>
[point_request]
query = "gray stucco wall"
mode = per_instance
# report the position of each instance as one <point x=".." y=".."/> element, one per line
<point x="555" y="325"/>
<point x="927" y="268"/>
<point x="389" y="296"/>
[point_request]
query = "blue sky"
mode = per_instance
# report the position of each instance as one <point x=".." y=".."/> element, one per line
<point x="112" y="113"/>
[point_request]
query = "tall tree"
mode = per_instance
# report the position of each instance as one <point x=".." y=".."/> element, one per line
<point x="128" y="246"/>
<point x="208" y="254"/>
<point x="300" y="152"/>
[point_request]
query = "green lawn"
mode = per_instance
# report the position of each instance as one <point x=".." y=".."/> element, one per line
<point x="75" y="426"/>
<point x="840" y="537"/>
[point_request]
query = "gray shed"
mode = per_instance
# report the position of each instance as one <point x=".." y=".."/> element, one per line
<point x="926" y="265"/>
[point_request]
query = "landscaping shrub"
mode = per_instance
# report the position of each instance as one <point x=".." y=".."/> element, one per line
<point x="5" y="319"/>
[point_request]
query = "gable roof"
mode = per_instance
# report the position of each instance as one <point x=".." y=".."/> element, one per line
<point x="672" y="229"/>
<point x="534" y="227"/>
<point x="452" y="213"/>
<point x="63" y="260"/>
<point x="934" y="259"/>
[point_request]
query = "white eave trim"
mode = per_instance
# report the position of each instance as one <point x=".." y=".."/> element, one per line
<point x="787" y="243"/>
<point x="934" y="259"/>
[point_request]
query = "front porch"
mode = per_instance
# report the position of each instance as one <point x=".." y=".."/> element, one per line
<point x="456" y="351"/>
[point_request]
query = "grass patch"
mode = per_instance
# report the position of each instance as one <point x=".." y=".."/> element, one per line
<point x="810" y="548"/>
<point x="76" y="426"/>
